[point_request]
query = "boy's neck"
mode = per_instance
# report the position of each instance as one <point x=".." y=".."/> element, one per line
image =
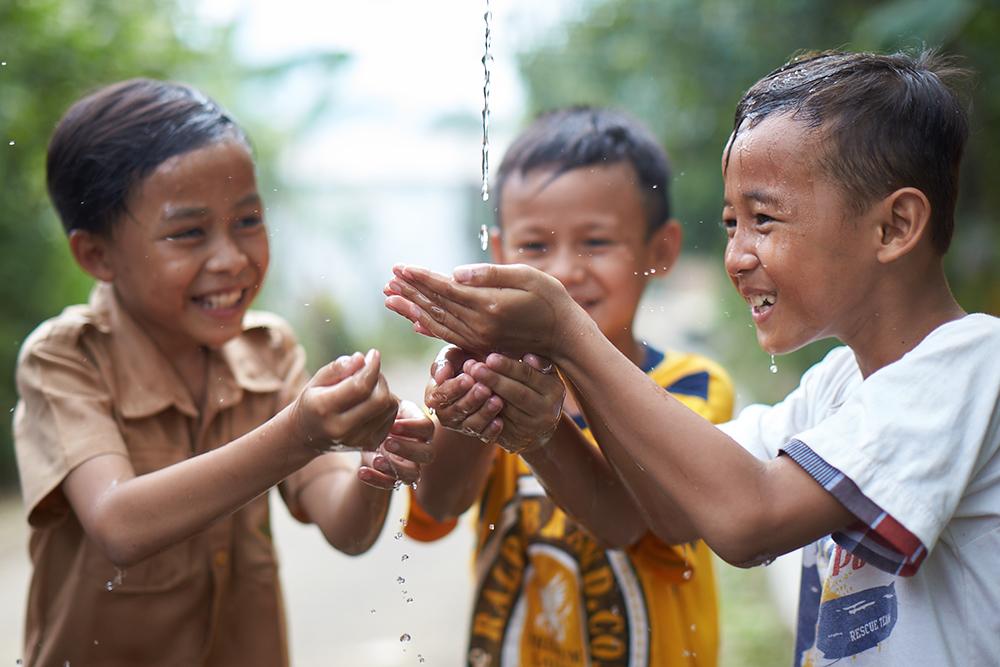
<point x="903" y="313"/>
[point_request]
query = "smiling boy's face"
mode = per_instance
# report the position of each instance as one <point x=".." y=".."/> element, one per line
<point x="190" y="256"/>
<point x="804" y="264"/>
<point x="588" y="229"/>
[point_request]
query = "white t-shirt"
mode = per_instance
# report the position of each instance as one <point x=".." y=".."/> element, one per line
<point x="912" y="452"/>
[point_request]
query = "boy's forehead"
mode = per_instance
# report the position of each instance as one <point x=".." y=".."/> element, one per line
<point x="776" y="149"/>
<point x="593" y="193"/>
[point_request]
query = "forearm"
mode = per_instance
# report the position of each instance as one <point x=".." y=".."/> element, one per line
<point x="578" y="478"/>
<point x="451" y="483"/>
<point x="349" y="512"/>
<point x="671" y="457"/>
<point x="139" y="516"/>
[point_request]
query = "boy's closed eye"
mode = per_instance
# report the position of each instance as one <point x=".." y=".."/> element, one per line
<point x="250" y="222"/>
<point x="185" y="234"/>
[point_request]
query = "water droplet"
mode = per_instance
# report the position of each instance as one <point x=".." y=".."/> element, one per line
<point x="693" y="628"/>
<point x="773" y="367"/>
<point x="687" y="574"/>
<point x="397" y="536"/>
<point x="413" y="486"/>
<point x="397" y="485"/>
<point x="372" y="610"/>
<point x="409" y="600"/>
<point x="405" y="637"/>
<point x="654" y="186"/>
<point x="109" y="585"/>
<point x="4" y="64"/>
<point x="11" y="143"/>
<point x="484" y="237"/>
<point x="420" y="658"/>
<point x="652" y="270"/>
<point x="492" y="526"/>
<point x="400" y="580"/>
<point x="327" y="320"/>
<point x="405" y="557"/>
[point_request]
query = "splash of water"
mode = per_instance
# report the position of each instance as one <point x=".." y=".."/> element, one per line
<point x="773" y="367"/>
<point x="487" y="68"/>
<point x="484" y="238"/>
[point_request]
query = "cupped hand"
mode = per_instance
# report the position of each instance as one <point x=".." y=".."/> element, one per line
<point x="346" y="405"/>
<point x="512" y="308"/>
<point x="532" y="393"/>
<point x="460" y="403"/>
<point x="399" y="457"/>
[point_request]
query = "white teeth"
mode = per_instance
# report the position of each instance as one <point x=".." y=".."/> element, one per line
<point x="761" y="300"/>
<point x="221" y="300"/>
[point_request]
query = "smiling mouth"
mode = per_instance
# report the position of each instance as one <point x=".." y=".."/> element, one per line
<point x="760" y="303"/>
<point x="221" y="300"/>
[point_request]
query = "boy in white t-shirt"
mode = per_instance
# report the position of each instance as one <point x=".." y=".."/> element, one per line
<point x="841" y="177"/>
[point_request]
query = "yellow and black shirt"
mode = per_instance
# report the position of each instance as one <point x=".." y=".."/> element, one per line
<point x="549" y="595"/>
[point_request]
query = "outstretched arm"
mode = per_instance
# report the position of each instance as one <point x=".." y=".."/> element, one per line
<point x="573" y="472"/>
<point x="346" y="402"/>
<point x="747" y="510"/>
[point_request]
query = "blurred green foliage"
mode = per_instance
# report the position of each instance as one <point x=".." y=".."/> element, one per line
<point x="54" y="52"/>
<point x="682" y="65"/>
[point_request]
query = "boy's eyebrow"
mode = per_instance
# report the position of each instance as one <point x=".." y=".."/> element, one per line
<point x="759" y="196"/>
<point x="185" y="212"/>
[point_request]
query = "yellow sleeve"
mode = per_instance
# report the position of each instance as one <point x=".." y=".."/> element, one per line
<point x="421" y="526"/>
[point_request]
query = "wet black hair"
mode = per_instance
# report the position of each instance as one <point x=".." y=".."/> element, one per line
<point x="884" y="121"/>
<point x="582" y="136"/>
<point x="110" y="140"/>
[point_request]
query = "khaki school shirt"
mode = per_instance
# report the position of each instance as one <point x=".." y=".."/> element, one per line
<point x="91" y="382"/>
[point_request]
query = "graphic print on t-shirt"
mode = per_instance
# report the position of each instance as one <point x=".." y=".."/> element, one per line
<point x="857" y="605"/>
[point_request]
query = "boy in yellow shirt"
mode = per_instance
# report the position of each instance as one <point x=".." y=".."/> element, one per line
<point x="571" y="576"/>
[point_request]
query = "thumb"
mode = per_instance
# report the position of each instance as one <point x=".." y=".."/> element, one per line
<point x="337" y="370"/>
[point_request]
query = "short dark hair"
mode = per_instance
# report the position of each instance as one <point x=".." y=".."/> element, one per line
<point x="107" y="142"/>
<point x="889" y="121"/>
<point x="581" y="136"/>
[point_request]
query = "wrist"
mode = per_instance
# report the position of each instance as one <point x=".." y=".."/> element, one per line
<point x="573" y="331"/>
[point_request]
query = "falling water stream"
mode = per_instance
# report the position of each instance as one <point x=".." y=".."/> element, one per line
<point x="484" y="238"/>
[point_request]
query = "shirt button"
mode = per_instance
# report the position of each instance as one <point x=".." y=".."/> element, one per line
<point x="221" y="558"/>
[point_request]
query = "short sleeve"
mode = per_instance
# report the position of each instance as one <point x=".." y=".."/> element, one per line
<point x="902" y="449"/>
<point x="63" y="418"/>
<point x="764" y="429"/>
<point x="421" y="526"/>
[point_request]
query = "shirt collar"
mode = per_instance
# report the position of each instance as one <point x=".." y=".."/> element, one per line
<point x="148" y="384"/>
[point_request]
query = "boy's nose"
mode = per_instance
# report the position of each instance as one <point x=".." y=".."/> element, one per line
<point x="567" y="266"/>
<point x="740" y="256"/>
<point x="227" y="256"/>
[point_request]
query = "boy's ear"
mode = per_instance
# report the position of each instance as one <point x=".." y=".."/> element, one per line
<point x="904" y="221"/>
<point x="665" y="246"/>
<point x="90" y="251"/>
<point x="496" y="245"/>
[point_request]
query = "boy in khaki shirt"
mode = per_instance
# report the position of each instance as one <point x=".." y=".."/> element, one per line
<point x="153" y="420"/>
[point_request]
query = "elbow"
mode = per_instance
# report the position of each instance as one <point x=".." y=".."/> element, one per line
<point x="744" y="542"/>
<point x="119" y="545"/>
<point x="350" y="545"/>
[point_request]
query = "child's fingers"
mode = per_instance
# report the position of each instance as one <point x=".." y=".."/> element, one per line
<point x="379" y="480"/>
<point x="364" y="425"/>
<point x="446" y="393"/>
<point x="452" y="416"/>
<point x="416" y="429"/>
<point x="353" y="390"/>
<point x="540" y="364"/>
<point x="418" y="451"/>
<point x="476" y="423"/>
<point x="443" y="317"/>
<point x="431" y="282"/>
<point x="447" y="363"/>
<point x="338" y="370"/>
<point x="405" y="470"/>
